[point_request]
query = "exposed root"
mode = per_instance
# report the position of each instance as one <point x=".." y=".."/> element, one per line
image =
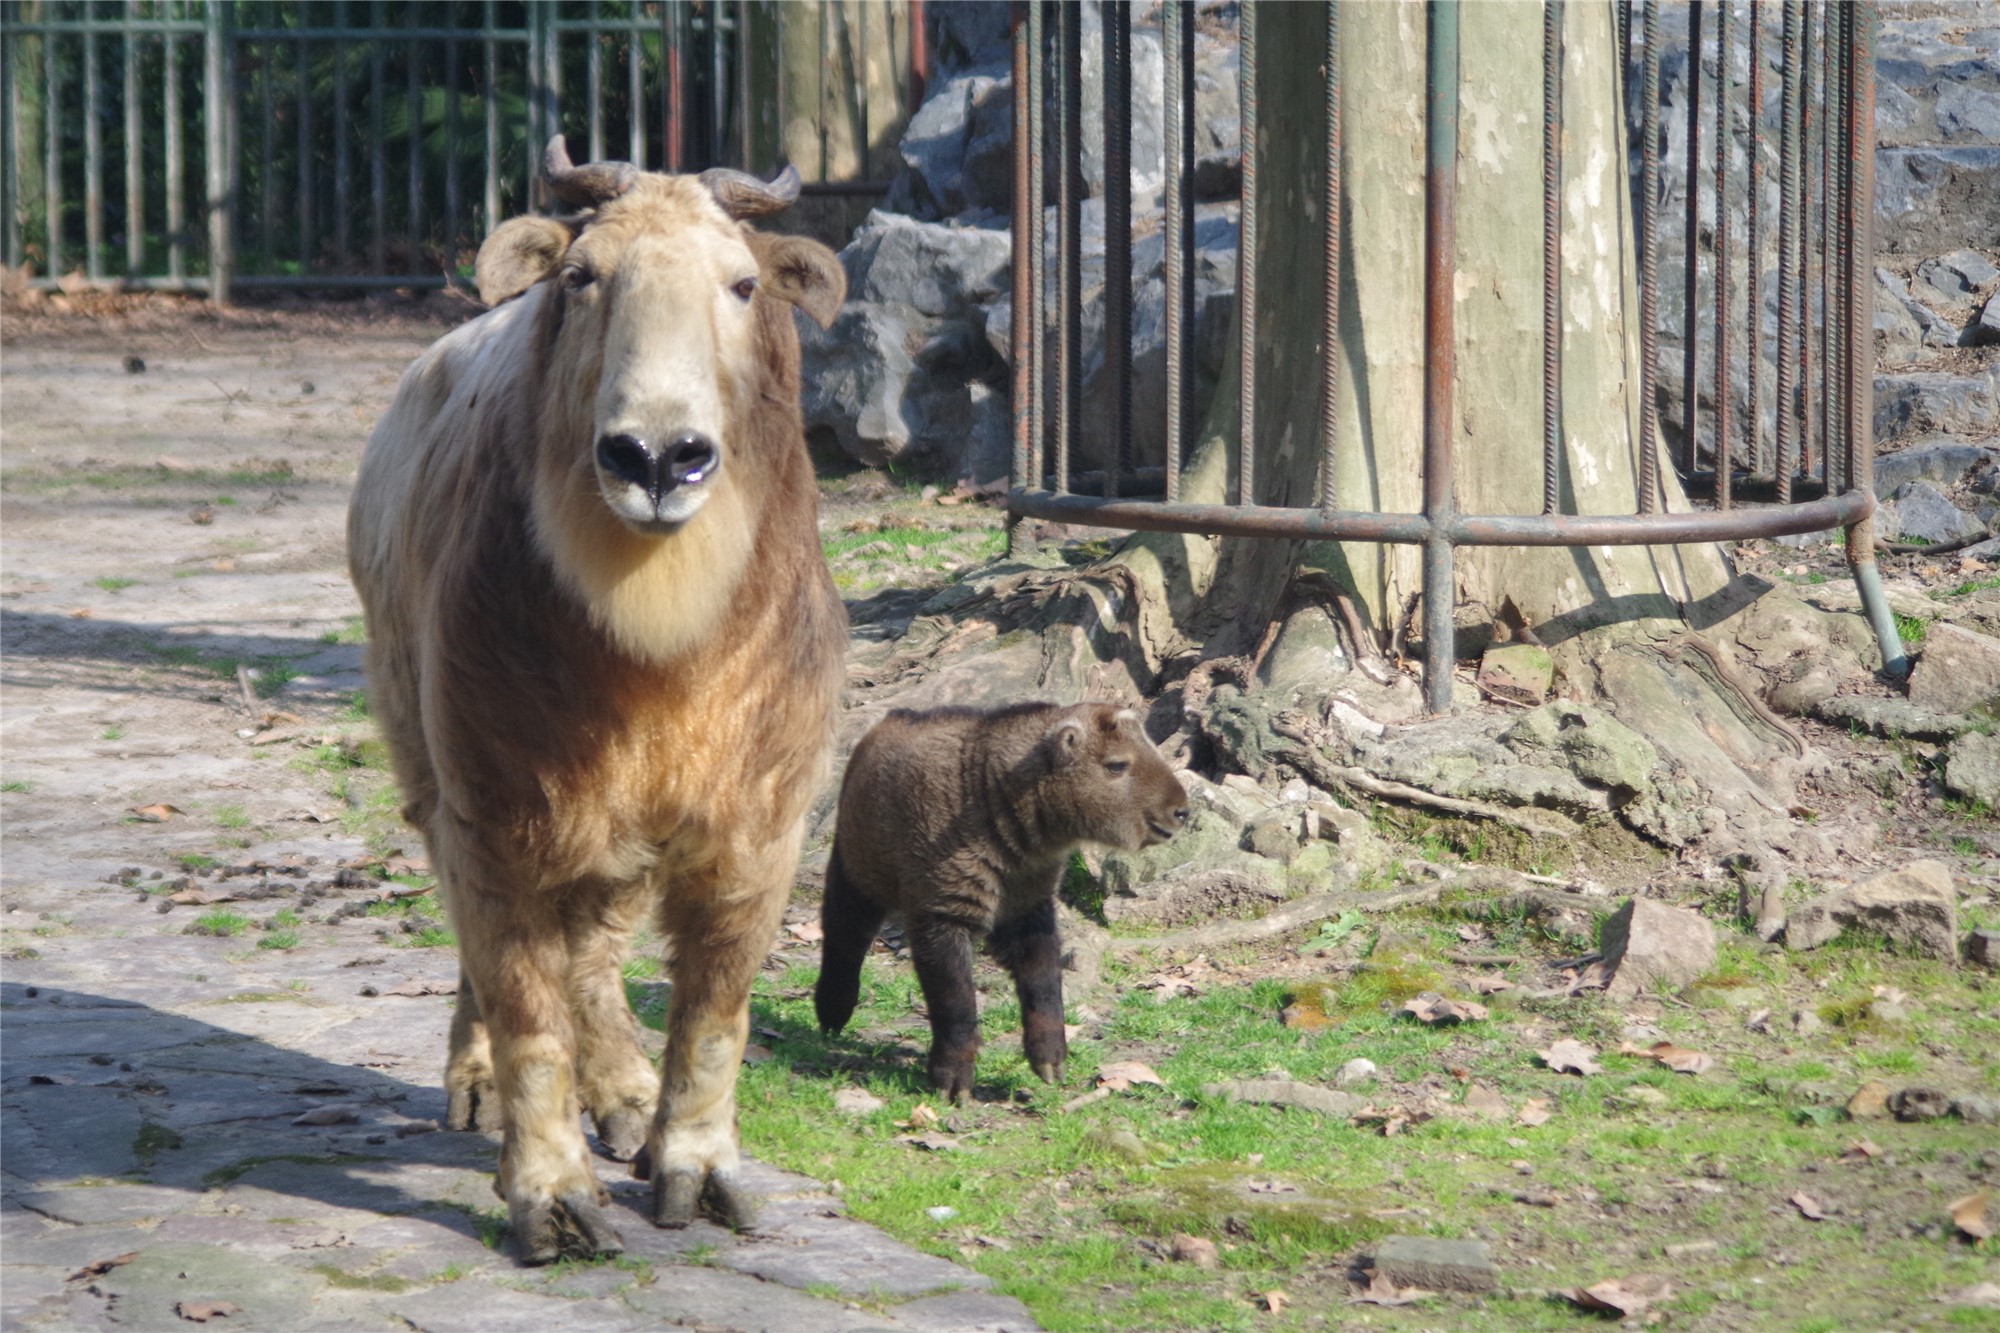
<point x="1291" y="916"/>
<point x="1728" y="675"/>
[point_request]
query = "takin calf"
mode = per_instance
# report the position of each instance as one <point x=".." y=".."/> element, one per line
<point x="605" y="650"/>
<point x="960" y="823"/>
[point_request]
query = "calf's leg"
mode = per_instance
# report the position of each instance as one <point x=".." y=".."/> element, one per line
<point x="848" y="922"/>
<point x="512" y="946"/>
<point x="942" y="951"/>
<point x="1029" y="947"/>
<point x="614" y="1078"/>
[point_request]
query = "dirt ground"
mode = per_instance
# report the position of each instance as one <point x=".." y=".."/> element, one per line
<point x="179" y="632"/>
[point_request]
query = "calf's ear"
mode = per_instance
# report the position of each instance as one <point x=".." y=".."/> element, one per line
<point x="518" y="255"/>
<point x="1066" y="741"/>
<point x="805" y="273"/>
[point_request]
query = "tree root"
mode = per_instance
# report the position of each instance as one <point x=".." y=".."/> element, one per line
<point x="1730" y="676"/>
<point x="1290" y="917"/>
<point x="1308" y="760"/>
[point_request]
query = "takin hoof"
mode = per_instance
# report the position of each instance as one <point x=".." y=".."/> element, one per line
<point x="475" y="1106"/>
<point x="953" y="1080"/>
<point x="1048" y="1071"/>
<point x="622" y="1133"/>
<point x="569" y="1226"/>
<point x="679" y="1195"/>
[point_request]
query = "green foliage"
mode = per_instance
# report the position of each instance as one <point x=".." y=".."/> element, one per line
<point x="112" y="583"/>
<point x="222" y="921"/>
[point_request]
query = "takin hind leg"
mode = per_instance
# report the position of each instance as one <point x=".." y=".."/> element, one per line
<point x="848" y="922"/>
<point x="512" y="946"/>
<point x="615" y="1081"/>
<point x="472" y="1101"/>
<point x="1029" y="947"/>
<point x="942" y="951"/>
<point x="720" y="921"/>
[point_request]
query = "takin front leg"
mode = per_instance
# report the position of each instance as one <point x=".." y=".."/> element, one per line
<point x="615" y="1080"/>
<point x="1029" y="947"/>
<point x="848" y="922"/>
<point x="472" y="1102"/>
<point x="512" y="947"/>
<point x="942" y="951"/>
<point x="721" y="926"/>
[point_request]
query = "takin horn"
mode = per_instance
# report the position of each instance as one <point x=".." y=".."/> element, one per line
<point x="744" y="196"/>
<point x="588" y="185"/>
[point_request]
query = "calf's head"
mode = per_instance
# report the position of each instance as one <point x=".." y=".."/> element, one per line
<point x="1106" y="782"/>
<point x="666" y="372"/>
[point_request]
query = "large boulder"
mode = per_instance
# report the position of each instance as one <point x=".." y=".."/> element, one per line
<point x="1648" y="945"/>
<point x="1915" y="909"/>
<point x="1972" y="768"/>
<point x="1958" y="671"/>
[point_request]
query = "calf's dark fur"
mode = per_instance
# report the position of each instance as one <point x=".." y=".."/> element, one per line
<point x="959" y="822"/>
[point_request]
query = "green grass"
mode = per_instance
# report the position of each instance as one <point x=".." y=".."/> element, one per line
<point x="193" y="862"/>
<point x="112" y="583"/>
<point x="269" y="672"/>
<point x="1970" y="586"/>
<point x="865" y="561"/>
<point x="17" y="785"/>
<point x="139" y="477"/>
<point x="232" y="817"/>
<point x="222" y="921"/>
<point x="280" y="939"/>
<point x="1911" y="629"/>
<point x="355" y="630"/>
<point x="114" y="732"/>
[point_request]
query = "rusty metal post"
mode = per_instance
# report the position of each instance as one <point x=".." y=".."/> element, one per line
<point x="1026" y="307"/>
<point x="1753" y="302"/>
<point x="1649" y="258"/>
<point x="1440" y="349"/>
<point x="1329" y="415"/>
<point x="1069" y="244"/>
<point x="1037" y="308"/>
<point x="1116" y="32"/>
<point x="1788" y="245"/>
<point x="1177" y="42"/>
<point x="1246" y="259"/>
<point x="1552" y="168"/>
<point x="1723" y="479"/>
<point x="1691" y="253"/>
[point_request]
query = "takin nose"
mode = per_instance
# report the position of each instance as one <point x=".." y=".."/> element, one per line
<point x="685" y="461"/>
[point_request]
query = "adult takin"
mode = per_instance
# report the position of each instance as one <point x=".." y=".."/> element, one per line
<point x="605" y="651"/>
<point x="960" y="823"/>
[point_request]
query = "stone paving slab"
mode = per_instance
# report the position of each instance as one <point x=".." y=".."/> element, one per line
<point x="150" y="1113"/>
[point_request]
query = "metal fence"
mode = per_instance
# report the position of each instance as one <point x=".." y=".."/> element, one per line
<point x="1816" y="465"/>
<point x="355" y="144"/>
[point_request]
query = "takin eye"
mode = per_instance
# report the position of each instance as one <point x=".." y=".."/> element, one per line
<point x="744" y="288"/>
<point x="1118" y="768"/>
<point x="576" y="277"/>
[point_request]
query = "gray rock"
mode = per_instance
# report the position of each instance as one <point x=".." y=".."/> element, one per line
<point x="1918" y="1104"/>
<point x="1944" y="462"/>
<point x="958" y="149"/>
<point x="1924" y="403"/>
<point x="1357" y="1070"/>
<point x="1648" y="945"/>
<point x="1274" y="836"/>
<point x="1982" y="947"/>
<point x="1437" y="1265"/>
<point x="1286" y="1092"/>
<point x="1889" y="717"/>
<point x="1958" y="274"/>
<point x="1958" y="672"/>
<point x="958" y="1312"/>
<point x="1930" y="199"/>
<point x="1972" y="768"/>
<point x="1922" y="513"/>
<point x="1594" y="745"/>
<point x="1964" y="111"/>
<point x="1986" y="329"/>
<point x="1915" y="909"/>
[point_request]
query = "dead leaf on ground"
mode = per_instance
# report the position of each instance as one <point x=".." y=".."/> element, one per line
<point x="1534" y="1111"/>
<point x="1390" y="1122"/>
<point x="1624" y="1296"/>
<point x="930" y="1142"/>
<point x="1082" y="1100"/>
<point x="103" y="1266"/>
<point x="319" y="1240"/>
<point x="1571" y="1057"/>
<point x="921" y="1117"/>
<point x="1275" y="1301"/>
<point x="1194" y="1250"/>
<point x="1485" y="1102"/>
<point x="1861" y="1150"/>
<point x="753" y="1054"/>
<point x="1491" y="986"/>
<point x="1382" y="1290"/>
<point x="1809" y="1207"/>
<point x="857" y="1101"/>
<point x="809" y="931"/>
<point x="1969" y="1214"/>
<point x="1891" y="994"/>
<point x="159" y="812"/>
<point x="201" y="1312"/>
<point x="1122" y="1074"/>
<point x="1677" y="1058"/>
<point x="200" y="897"/>
<point x="1435" y="1009"/>
<point x="334" y="1113"/>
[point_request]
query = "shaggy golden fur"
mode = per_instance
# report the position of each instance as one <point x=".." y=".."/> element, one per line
<point x="591" y="722"/>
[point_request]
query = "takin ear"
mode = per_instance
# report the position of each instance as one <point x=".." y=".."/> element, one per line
<point x="1066" y="741"/>
<point x="803" y="272"/>
<point x="519" y="255"/>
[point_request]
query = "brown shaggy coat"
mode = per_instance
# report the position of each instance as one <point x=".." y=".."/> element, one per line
<point x="960" y="823"/>
<point x="593" y="722"/>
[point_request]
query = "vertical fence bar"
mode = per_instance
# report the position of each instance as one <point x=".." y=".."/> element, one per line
<point x="135" y="173"/>
<point x="267" y="155"/>
<point x="635" y="93"/>
<point x="308" y="178"/>
<point x="718" y="89"/>
<point x="1116" y="30"/>
<point x="1329" y="400"/>
<point x="1830" y="468"/>
<point x="1753" y="452"/>
<point x="93" y="159"/>
<point x="218" y="107"/>
<point x="1440" y="345"/>
<point x="1036" y="310"/>
<point x="1788" y="240"/>
<point x="413" y="73"/>
<point x="52" y="121"/>
<point x="1069" y="245"/>
<point x="1691" y="253"/>
<point x="1649" y="259"/>
<point x="1246" y="258"/>
<point x="1177" y="43"/>
<point x="14" y="218"/>
<point x="1553" y="15"/>
<point x="593" y="68"/>
<point x="343" y="198"/>
<point x="176" y="166"/>
<point x="531" y="82"/>
<point x="1833" y="361"/>
<point x="378" y="163"/>
<point x="673" y="90"/>
<point x="1021" y="332"/>
<point x="1723" y="52"/>
<point x="551" y="83"/>
<point x="489" y="94"/>
<point x="454" y="191"/>
<point x="1808" y="126"/>
<point x="746" y="134"/>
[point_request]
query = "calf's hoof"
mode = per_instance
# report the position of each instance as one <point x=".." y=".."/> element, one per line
<point x="570" y="1226"/>
<point x="1048" y="1071"/>
<point x="474" y="1105"/>
<point x="679" y="1195"/>
<point x="953" y="1078"/>
<point x="622" y="1133"/>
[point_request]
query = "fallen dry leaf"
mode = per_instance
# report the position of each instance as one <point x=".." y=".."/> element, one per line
<point x="921" y="1117"/>
<point x="333" y="1113"/>
<point x="1122" y="1074"/>
<point x="856" y="1101"/>
<point x="1808" y="1207"/>
<point x="1382" y="1290"/>
<point x="1275" y="1301"/>
<point x="201" y="1312"/>
<point x="1869" y="1102"/>
<point x="1861" y="1150"/>
<point x="103" y="1266"/>
<point x="1534" y="1111"/>
<point x="753" y="1054"/>
<point x="1194" y="1250"/>
<point x="1485" y="1102"/>
<point x="1571" y="1057"/>
<point x="809" y="931"/>
<point x="200" y="897"/>
<point x="157" y="813"/>
<point x="1891" y="994"/>
<point x="1679" y="1058"/>
<point x="1625" y="1296"/>
<point x="1969" y="1214"/>
<point x="1082" y="1100"/>
<point x="1435" y="1009"/>
<point x="1491" y="986"/>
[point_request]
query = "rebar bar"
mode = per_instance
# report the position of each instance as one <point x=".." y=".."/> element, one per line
<point x="1553" y="16"/>
<point x="135" y="175"/>
<point x="176" y="166"/>
<point x="1753" y="456"/>
<point x="1440" y="346"/>
<point x="1177" y="43"/>
<point x="93" y="160"/>
<point x="1021" y="332"/>
<point x="1329" y="413"/>
<point x="1069" y="252"/>
<point x="1035" y="313"/>
<point x="1116" y="29"/>
<point x="1788" y="250"/>
<point x="1723" y="55"/>
<point x="1649" y="259"/>
<point x="1246" y="258"/>
<point x="1691" y="253"/>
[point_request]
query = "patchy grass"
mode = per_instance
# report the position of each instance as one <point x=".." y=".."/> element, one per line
<point x="112" y="583"/>
<point x="140" y="477"/>
<point x="222" y="921"/>
<point x="354" y="630"/>
<point x="20" y="785"/>
<point x="907" y="553"/>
